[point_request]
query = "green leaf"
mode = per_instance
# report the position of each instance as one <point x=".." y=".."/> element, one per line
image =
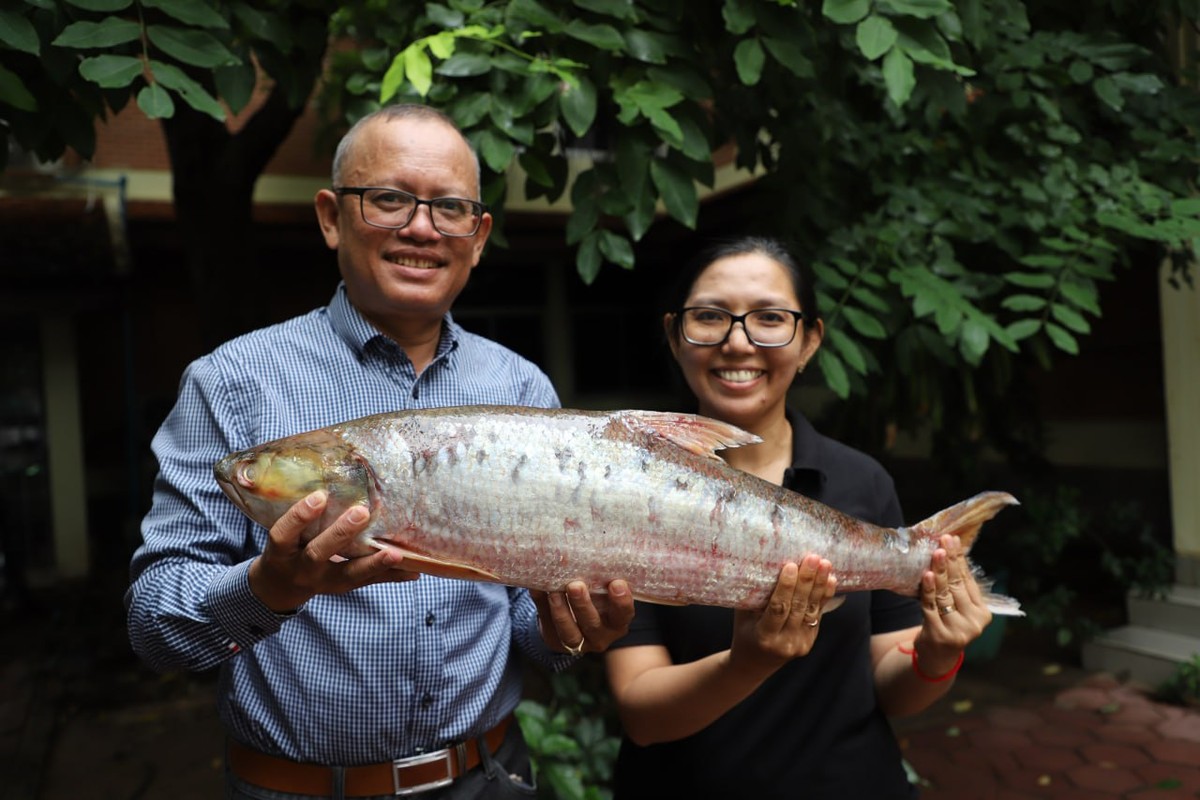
<point x="1023" y="302"/>
<point x="464" y="65"/>
<point x="235" y="85"/>
<point x="14" y="93"/>
<point x="1062" y="340"/>
<point x="1083" y="296"/>
<point x="848" y="348"/>
<point x="616" y="248"/>
<point x="101" y="5"/>
<point x="642" y="216"/>
<point x="864" y="324"/>
<point x="497" y="150"/>
<point x="1106" y="89"/>
<point x="19" y="33"/>
<point x="393" y="79"/>
<point x="835" y="373"/>
<point x="646" y="46"/>
<point x="111" y="72"/>
<point x="688" y="82"/>
<point x="155" y="102"/>
<point x="533" y="13"/>
<point x="418" y="68"/>
<point x="108" y="32"/>
<point x="922" y="9"/>
<point x="192" y="47"/>
<point x="605" y="37"/>
<point x="786" y="53"/>
<point x="266" y="25"/>
<point x="171" y="77"/>
<point x="898" y="76"/>
<point x="583" y="219"/>
<point x="1023" y="329"/>
<point x="677" y="191"/>
<point x="869" y="299"/>
<point x="874" y="36"/>
<point x="749" y="58"/>
<point x="578" y="106"/>
<point x="191" y="12"/>
<point x="829" y="276"/>
<point x="1030" y="280"/>
<point x="1070" y="318"/>
<point x="973" y="341"/>
<point x="845" y="12"/>
<point x="621" y="9"/>
<point x="588" y="259"/>
<point x="738" y="16"/>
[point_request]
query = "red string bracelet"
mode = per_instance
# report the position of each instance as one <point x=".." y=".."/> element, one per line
<point x="927" y="678"/>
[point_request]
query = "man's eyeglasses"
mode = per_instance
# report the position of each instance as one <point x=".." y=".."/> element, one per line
<point x="392" y="208"/>
<point x="708" y="326"/>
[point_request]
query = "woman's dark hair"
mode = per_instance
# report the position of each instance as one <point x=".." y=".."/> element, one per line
<point x="801" y="275"/>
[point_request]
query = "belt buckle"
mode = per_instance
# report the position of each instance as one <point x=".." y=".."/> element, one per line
<point x="400" y="764"/>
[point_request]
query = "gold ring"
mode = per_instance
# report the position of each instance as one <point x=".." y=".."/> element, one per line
<point x="576" y="650"/>
<point x="944" y="610"/>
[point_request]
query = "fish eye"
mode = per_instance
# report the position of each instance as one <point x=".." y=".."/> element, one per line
<point x="246" y="474"/>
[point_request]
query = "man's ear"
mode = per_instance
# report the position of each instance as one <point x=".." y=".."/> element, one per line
<point x="328" y="213"/>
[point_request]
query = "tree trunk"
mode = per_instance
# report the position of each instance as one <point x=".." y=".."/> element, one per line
<point x="214" y="174"/>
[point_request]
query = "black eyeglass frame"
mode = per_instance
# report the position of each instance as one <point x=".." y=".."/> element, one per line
<point x="797" y="318"/>
<point x="361" y="191"/>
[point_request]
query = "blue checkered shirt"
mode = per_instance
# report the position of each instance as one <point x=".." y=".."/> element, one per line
<point x="383" y="672"/>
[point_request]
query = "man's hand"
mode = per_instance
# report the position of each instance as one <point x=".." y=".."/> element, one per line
<point x="288" y="573"/>
<point x="577" y="622"/>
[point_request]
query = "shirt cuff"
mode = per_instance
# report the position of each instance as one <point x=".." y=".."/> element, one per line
<point x="239" y="612"/>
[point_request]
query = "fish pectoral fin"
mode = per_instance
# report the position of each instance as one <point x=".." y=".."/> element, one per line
<point x="441" y="568"/>
<point x="700" y="435"/>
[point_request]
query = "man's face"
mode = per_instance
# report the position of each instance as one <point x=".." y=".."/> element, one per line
<point x="411" y="275"/>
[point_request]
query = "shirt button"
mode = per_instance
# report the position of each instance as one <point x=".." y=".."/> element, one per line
<point x="429" y="618"/>
<point x="427" y="700"/>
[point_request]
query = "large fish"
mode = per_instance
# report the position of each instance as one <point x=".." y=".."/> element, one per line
<point x="538" y="498"/>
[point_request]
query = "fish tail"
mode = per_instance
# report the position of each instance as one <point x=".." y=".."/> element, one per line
<point x="964" y="520"/>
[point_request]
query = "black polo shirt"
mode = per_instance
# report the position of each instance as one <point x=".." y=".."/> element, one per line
<point x="814" y="728"/>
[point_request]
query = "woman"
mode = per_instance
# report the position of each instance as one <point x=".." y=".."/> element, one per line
<point x="787" y="701"/>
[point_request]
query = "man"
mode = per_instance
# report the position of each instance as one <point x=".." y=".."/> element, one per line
<point x="353" y="678"/>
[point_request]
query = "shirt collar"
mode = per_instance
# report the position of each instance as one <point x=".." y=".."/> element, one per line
<point x="357" y="332"/>
<point x="807" y="461"/>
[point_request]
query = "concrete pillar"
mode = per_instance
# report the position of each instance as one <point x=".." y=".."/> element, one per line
<point x="64" y="447"/>
<point x="1181" y="365"/>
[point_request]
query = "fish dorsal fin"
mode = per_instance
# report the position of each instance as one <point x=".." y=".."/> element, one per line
<point x="700" y="435"/>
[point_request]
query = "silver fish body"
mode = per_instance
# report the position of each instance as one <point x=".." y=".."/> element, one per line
<point x="538" y="498"/>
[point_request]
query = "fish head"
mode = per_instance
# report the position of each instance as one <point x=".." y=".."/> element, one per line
<point x="265" y="481"/>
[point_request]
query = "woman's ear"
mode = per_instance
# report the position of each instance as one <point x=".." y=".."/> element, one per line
<point x="814" y="334"/>
<point x="669" y="331"/>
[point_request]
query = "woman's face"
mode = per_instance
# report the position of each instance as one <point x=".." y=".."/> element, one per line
<point x="737" y="381"/>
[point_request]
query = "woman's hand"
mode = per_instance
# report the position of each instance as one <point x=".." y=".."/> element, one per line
<point x="787" y="627"/>
<point x="955" y="612"/>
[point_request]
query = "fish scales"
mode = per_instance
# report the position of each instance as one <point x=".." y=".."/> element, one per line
<point x="538" y="498"/>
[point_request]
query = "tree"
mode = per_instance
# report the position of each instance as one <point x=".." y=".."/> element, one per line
<point x="64" y="66"/>
<point x="963" y="176"/>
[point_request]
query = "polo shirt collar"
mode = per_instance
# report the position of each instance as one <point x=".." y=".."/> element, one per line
<point x="808" y="463"/>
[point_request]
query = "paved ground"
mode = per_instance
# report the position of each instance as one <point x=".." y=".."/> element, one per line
<point x="80" y="718"/>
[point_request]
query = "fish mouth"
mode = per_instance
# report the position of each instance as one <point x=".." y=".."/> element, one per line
<point x="225" y="471"/>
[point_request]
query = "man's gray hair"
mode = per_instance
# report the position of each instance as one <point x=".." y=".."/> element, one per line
<point x="396" y="112"/>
